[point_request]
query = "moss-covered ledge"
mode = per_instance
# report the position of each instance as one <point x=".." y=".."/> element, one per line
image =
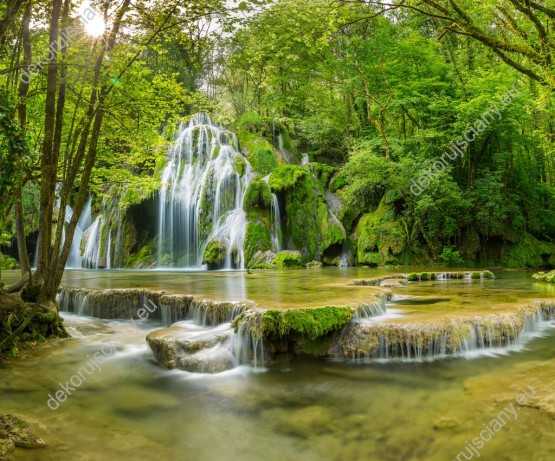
<point x="545" y="276"/>
<point x="425" y="276"/>
<point x="304" y="331"/>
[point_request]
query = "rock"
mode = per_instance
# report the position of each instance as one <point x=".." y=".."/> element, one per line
<point x="309" y="421"/>
<point x="288" y="260"/>
<point x="394" y="283"/>
<point x="200" y="351"/>
<point x="314" y="265"/>
<point x="15" y="432"/>
<point x="446" y="422"/>
<point x="263" y="260"/>
<point x="331" y="261"/>
<point x="214" y="254"/>
<point x="7" y="446"/>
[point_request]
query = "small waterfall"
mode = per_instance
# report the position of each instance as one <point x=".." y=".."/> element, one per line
<point x="277" y="234"/>
<point x="468" y="337"/>
<point x="305" y="160"/>
<point x="203" y="184"/>
<point x="92" y="244"/>
<point x="276" y="231"/>
<point x="75" y="260"/>
<point x="247" y="345"/>
<point x="368" y="311"/>
<point x="108" y="251"/>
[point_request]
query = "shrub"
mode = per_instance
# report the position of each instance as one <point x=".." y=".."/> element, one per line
<point x="451" y="257"/>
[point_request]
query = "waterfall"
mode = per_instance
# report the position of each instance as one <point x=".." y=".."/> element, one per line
<point x="305" y="160"/>
<point x="276" y="225"/>
<point x="276" y="232"/>
<point x="203" y="184"/>
<point x="92" y="245"/>
<point x="109" y="247"/>
<point x="75" y="259"/>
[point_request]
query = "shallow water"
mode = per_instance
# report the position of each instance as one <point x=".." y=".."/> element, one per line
<point x="304" y="409"/>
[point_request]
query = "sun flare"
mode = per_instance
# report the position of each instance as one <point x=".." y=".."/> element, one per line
<point x="92" y="20"/>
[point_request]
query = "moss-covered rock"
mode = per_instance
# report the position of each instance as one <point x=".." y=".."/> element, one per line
<point x="146" y="257"/>
<point x="322" y="172"/>
<point x="476" y="275"/>
<point x="309" y="227"/>
<point x="24" y="324"/>
<point x="314" y="265"/>
<point x="528" y="253"/>
<point x="288" y="260"/>
<point x="260" y="154"/>
<point x="214" y="254"/>
<point x="545" y="276"/>
<point x="413" y="277"/>
<point x="380" y="233"/>
<point x="258" y="237"/>
<point x="262" y="260"/>
<point x="258" y="195"/>
<point x="309" y="322"/>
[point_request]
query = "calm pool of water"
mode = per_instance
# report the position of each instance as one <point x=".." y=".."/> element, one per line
<point x="305" y="409"/>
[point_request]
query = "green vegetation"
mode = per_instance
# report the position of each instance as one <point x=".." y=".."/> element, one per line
<point x="310" y="322"/>
<point x="261" y="155"/>
<point x="545" y="276"/>
<point x="306" y="213"/>
<point x="413" y="277"/>
<point x="214" y="254"/>
<point x="288" y="260"/>
<point x="8" y="263"/>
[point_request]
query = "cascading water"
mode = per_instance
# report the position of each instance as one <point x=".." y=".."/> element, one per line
<point x="75" y="260"/>
<point x="201" y="197"/>
<point x="276" y="232"/>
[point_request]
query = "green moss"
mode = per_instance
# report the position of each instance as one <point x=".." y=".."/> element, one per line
<point x="286" y="177"/>
<point x="379" y="233"/>
<point x="528" y="253"/>
<point x="249" y="122"/>
<point x="338" y="182"/>
<point x="214" y="254"/>
<point x="258" y="195"/>
<point x="424" y="276"/>
<point x="260" y="154"/>
<point x="306" y="213"/>
<point x="488" y="274"/>
<point x="288" y="260"/>
<point x="476" y="275"/>
<point x="146" y="256"/>
<point x="412" y="277"/>
<point x="433" y="276"/>
<point x="545" y="276"/>
<point x="258" y="236"/>
<point x="310" y="322"/>
<point x="322" y="172"/>
<point x="240" y="165"/>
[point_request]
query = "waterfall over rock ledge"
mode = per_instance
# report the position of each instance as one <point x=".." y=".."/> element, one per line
<point x="201" y="216"/>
